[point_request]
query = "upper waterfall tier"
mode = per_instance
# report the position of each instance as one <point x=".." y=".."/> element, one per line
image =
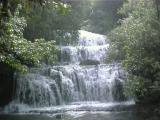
<point x="91" y="49"/>
<point x="91" y="39"/>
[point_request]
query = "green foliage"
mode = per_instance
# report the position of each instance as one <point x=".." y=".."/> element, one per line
<point x="135" y="86"/>
<point x="136" y="43"/>
<point x="18" y="52"/>
<point x="61" y="24"/>
<point x="103" y="16"/>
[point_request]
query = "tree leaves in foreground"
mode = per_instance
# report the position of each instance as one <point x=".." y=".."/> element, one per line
<point x="136" y="43"/>
<point x="18" y="52"/>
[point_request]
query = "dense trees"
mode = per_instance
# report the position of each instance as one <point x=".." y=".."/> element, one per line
<point x="51" y="23"/>
<point x="136" y="43"/>
<point x="103" y="16"/>
<point x="16" y="51"/>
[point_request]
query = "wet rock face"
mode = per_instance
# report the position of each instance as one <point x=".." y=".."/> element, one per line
<point x="89" y="62"/>
<point x="6" y="84"/>
<point x="118" y="91"/>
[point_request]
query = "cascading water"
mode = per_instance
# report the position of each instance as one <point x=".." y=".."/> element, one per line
<point x="82" y="76"/>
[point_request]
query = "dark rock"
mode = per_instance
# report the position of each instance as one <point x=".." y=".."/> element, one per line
<point x="152" y="97"/>
<point x="89" y="62"/>
<point x="118" y="91"/>
<point x="7" y="84"/>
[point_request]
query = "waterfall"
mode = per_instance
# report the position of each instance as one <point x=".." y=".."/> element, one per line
<point x="82" y="76"/>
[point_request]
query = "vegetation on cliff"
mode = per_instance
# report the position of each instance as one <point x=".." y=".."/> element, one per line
<point x="135" y="43"/>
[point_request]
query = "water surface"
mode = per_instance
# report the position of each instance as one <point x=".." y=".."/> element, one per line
<point x="84" y="115"/>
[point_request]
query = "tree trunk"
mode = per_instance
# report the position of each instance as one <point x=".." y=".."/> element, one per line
<point x="157" y="2"/>
<point x="4" y="9"/>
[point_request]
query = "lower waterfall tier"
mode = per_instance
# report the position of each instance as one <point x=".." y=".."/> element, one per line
<point x="64" y="84"/>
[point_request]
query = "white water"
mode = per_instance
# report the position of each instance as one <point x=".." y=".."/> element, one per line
<point x="83" y="81"/>
<point x="90" y="46"/>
